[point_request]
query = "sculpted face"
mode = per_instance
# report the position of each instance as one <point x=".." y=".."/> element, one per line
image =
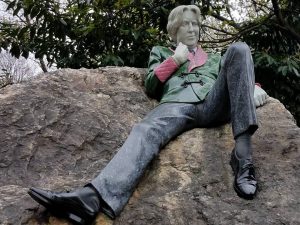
<point x="188" y="31"/>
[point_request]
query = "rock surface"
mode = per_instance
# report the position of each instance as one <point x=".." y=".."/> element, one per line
<point x="59" y="130"/>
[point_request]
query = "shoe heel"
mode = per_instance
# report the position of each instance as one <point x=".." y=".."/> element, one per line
<point x="76" y="219"/>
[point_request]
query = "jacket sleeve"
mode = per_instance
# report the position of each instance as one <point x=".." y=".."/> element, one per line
<point x="153" y="85"/>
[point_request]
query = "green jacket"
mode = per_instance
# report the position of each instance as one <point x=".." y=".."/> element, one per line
<point x="181" y="86"/>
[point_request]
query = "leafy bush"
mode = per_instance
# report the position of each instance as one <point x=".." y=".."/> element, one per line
<point x="122" y="32"/>
<point x="280" y="77"/>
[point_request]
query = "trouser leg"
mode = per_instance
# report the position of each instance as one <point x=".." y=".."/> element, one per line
<point x="232" y="96"/>
<point x="117" y="180"/>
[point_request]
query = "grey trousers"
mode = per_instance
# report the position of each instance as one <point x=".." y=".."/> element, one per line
<point x="231" y="98"/>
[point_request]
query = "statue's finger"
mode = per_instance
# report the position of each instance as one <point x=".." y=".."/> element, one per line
<point x="256" y="102"/>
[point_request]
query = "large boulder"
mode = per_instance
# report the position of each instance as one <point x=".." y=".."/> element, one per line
<point x="59" y="130"/>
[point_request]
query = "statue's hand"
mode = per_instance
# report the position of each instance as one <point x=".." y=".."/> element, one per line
<point x="181" y="54"/>
<point x="260" y="96"/>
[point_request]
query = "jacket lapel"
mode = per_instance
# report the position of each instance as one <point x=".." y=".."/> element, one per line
<point x="198" y="59"/>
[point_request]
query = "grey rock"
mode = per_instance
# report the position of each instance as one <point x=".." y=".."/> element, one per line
<point x="60" y="130"/>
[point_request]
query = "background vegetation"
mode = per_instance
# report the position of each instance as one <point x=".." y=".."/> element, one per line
<point x="93" y="33"/>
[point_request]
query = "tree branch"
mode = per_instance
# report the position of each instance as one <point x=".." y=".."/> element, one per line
<point x="216" y="29"/>
<point x="282" y="23"/>
<point x="255" y="3"/>
<point x="43" y="65"/>
<point x="228" y="10"/>
<point x="230" y="22"/>
<point x="234" y="36"/>
<point x="287" y="28"/>
<point x="220" y="40"/>
<point x="277" y="12"/>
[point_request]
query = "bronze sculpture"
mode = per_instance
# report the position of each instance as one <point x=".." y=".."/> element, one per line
<point x="195" y="89"/>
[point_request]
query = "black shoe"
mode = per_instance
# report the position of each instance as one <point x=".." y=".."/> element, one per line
<point x="81" y="206"/>
<point x="245" y="183"/>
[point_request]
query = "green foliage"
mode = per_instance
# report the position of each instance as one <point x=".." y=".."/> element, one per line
<point x="280" y="77"/>
<point x="87" y="35"/>
<point x="122" y="32"/>
<point x="277" y="55"/>
<point x="280" y="80"/>
<point x="280" y="65"/>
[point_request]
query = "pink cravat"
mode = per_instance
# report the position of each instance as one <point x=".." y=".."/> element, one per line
<point x="168" y="67"/>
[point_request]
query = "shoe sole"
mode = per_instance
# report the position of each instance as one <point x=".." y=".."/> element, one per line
<point x="57" y="210"/>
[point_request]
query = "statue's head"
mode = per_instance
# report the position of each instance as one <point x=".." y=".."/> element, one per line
<point x="184" y="25"/>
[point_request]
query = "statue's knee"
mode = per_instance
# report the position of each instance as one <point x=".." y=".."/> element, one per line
<point x="239" y="47"/>
<point x="144" y="129"/>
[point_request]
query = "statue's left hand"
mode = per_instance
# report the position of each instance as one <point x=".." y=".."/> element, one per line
<point x="260" y="96"/>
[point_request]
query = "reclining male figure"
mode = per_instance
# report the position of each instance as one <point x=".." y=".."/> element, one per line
<point x="195" y="89"/>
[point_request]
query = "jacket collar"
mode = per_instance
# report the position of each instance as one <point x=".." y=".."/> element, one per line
<point x="196" y="60"/>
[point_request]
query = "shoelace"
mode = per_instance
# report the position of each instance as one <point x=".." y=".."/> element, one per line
<point x="249" y="168"/>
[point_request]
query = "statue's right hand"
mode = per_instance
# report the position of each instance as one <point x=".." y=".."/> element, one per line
<point x="181" y="54"/>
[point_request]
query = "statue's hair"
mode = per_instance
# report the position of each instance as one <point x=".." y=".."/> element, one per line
<point x="175" y="19"/>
